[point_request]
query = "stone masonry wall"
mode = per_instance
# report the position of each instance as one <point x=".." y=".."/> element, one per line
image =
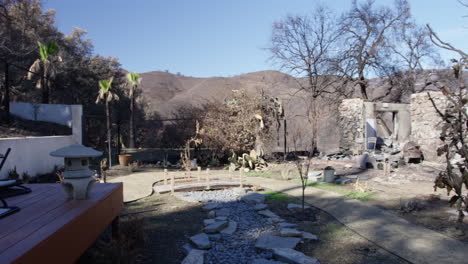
<point x="426" y="124"/>
<point x="351" y="124"/>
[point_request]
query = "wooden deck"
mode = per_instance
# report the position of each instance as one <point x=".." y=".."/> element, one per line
<point x="50" y="229"/>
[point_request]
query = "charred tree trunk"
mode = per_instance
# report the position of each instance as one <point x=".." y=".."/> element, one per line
<point x="131" y="143"/>
<point x="45" y="88"/>
<point x="6" y="96"/>
<point x="109" y="139"/>
<point x="363" y="87"/>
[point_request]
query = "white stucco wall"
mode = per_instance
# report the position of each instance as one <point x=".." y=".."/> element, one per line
<point x="31" y="154"/>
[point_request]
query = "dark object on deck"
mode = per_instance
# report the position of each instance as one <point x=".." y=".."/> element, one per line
<point x="412" y="153"/>
<point x="4" y="157"/>
<point x="9" y="188"/>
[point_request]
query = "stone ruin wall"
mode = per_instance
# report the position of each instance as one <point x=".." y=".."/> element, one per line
<point x="351" y="124"/>
<point x="426" y="124"/>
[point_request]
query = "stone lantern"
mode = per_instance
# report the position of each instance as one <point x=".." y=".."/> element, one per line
<point x="77" y="177"/>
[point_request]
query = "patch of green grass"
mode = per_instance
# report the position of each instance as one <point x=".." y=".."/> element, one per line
<point x="277" y="197"/>
<point x="332" y="231"/>
<point x="361" y="196"/>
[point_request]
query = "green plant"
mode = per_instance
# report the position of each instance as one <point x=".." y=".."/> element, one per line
<point x="332" y="231"/>
<point x="277" y="197"/>
<point x="44" y="64"/>
<point x="133" y="166"/>
<point x="124" y="250"/>
<point x="13" y="174"/>
<point x="361" y="196"/>
<point x="133" y="79"/>
<point x="25" y="177"/>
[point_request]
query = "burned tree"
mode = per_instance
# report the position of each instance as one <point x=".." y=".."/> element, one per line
<point x="454" y="131"/>
<point x="303" y="46"/>
<point x="365" y="33"/>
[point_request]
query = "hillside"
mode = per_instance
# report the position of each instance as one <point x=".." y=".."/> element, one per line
<point x="165" y="92"/>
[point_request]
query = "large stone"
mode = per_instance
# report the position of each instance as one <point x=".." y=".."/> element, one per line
<point x="230" y="229"/>
<point x="286" y="225"/>
<point x="210" y="206"/>
<point x="253" y="198"/>
<point x="308" y="236"/>
<point x="274" y="220"/>
<point x="188" y="247"/>
<point x="194" y="257"/>
<point x="268" y="242"/>
<point x="223" y="212"/>
<point x="268" y="213"/>
<point x="239" y="190"/>
<point x="259" y="207"/>
<point x="266" y="261"/>
<point x="289" y="255"/>
<point x="216" y="227"/>
<point x="209" y="221"/>
<point x="211" y="214"/>
<point x="295" y="207"/>
<point x="201" y="241"/>
<point x="290" y="232"/>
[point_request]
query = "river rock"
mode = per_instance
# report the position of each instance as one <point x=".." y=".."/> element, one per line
<point x="261" y="206"/>
<point x="266" y="261"/>
<point x="268" y="242"/>
<point x="309" y="236"/>
<point x="290" y="255"/>
<point x="209" y="221"/>
<point x="201" y="241"/>
<point x="210" y="206"/>
<point x="211" y="214"/>
<point x="216" y="227"/>
<point x="290" y="232"/>
<point x="253" y="198"/>
<point x="194" y="257"/>
<point x="230" y="229"/>
<point x="268" y="213"/>
<point x="286" y="225"/>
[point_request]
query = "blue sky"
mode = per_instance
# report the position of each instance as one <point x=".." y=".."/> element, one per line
<point x="204" y="38"/>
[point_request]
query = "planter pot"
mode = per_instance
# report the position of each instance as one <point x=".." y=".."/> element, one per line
<point x="124" y="159"/>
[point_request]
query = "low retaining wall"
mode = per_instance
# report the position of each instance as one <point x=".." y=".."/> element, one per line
<point x="31" y="154"/>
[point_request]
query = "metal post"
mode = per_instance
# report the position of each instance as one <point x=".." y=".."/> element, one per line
<point x="198" y="173"/>
<point x="208" y="178"/>
<point x="172" y="183"/>
<point x="165" y="176"/>
<point x="240" y="178"/>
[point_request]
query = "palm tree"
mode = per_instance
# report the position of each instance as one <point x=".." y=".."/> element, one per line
<point x="133" y="79"/>
<point x="44" y="64"/>
<point x="106" y="95"/>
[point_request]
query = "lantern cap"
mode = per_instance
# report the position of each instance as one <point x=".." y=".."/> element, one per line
<point x="76" y="151"/>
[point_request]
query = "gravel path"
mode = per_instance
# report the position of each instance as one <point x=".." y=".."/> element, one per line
<point x="239" y="247"/>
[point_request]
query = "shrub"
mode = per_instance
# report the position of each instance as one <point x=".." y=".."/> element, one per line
<point x="13" y="174"/>
<point x="25" y="177"/>
<point x="132" y="167"/>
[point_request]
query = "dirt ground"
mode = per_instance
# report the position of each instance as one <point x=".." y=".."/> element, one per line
<point x="408" y="192"/>
<point x="167" y="223"/>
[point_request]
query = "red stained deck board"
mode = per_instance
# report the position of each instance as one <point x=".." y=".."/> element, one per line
<point x="52" y="229"/>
